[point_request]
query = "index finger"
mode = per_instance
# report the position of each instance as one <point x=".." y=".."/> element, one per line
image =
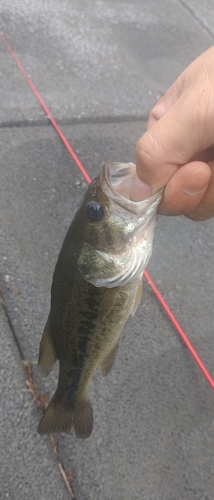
<point x="165" y="103"/>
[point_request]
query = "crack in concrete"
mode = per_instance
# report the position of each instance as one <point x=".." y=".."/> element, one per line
<point x="74" y="121"/>
<point x="196" y="18"/>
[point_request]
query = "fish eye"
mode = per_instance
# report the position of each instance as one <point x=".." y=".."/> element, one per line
<point x="94" y="211"/>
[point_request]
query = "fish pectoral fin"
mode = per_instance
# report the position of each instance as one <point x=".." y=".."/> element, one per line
<point x="107" y="303"/>
<point x="47" y="354"/>
<point x="58" y="419"/>
<point x="107" y="363"/>
<point x="138" y="297"/>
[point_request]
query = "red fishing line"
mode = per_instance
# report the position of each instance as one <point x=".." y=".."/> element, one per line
<point x="48" y="113"/>
<point x="179" y="329"/>
<point x="87" y="178"/>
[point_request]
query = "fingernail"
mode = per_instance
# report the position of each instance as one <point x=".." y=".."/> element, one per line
<point x="195" y="182"/>
<point x="192" y="193"/>
<point x="139" y="190"/>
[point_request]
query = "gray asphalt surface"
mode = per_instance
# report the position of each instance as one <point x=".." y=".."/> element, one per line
<point x="100" y="67"/>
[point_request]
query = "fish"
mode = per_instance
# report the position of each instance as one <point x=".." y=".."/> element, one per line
<point x="97" y="285"/>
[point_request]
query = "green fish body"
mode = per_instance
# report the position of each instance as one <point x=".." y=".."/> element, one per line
<point x="96" y="286"/>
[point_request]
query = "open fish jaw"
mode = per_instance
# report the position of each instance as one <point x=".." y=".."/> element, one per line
<point x="115" y="175"/>
<point x="139" y="223"/>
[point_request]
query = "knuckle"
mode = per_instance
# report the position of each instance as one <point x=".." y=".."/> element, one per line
<point x="147" y="150"/>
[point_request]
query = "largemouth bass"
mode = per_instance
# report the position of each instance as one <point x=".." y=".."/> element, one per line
<point x="96" y="286"/>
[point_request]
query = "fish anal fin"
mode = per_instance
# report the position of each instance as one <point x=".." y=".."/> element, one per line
<point x="108" y="361"/>
<point x="138" y="297"/>
<point x="107" y="303"/>
<point x="47" y="354"/>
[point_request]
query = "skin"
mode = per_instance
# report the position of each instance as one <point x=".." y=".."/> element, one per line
<point x="177" y="150"/>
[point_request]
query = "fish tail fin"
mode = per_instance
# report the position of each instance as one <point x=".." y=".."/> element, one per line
<point x="58" y="419"/>
<point x="83" y="419"/>
<point x="47" y="354"/>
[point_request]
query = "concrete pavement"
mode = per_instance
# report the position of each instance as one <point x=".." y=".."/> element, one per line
<point x="100" y="66"/>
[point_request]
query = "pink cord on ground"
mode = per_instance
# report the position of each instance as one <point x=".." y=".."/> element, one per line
<point x="87" y="178"/>
<point x="179" y="329"/>
<point x="48" y="113"/>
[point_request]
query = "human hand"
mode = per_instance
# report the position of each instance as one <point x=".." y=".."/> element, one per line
<point x="177" y="150"/>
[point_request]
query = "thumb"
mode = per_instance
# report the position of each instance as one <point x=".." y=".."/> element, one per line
<point x="172" y="141"/>
<point x="165" y="146"/>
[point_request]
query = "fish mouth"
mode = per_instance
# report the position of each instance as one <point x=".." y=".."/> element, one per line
<point x="117" y="179"/>
<point x="117" y="182"/>
<point x="139" y="219"/>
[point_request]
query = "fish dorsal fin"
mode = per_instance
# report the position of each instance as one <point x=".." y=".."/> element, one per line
<point x="138" y="297"/>
<point x="107" y="363"/>
<point x="47" y="354"/>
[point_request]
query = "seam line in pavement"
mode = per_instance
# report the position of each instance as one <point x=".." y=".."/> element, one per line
<point x="74" y="121"/>
<point x="10" y="323"/>
<point x="197" y="18"/>
<point x="32" y="388"/>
